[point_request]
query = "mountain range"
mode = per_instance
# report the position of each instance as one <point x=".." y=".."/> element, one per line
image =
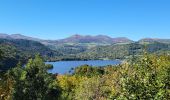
<point x="103" y="39"/>
<point x="99" y="39"/>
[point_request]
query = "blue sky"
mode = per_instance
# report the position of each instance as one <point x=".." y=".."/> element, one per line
<point x="56" y="19"/>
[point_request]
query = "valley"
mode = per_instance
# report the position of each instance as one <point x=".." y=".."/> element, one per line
<point x="20" y="48"/>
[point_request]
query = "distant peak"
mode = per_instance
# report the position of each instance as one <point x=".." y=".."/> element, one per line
<point x="102" y="36"/>
<point x="76" y="35"/>
<point x="16" y="34"/>
<point x="122" y="38"/>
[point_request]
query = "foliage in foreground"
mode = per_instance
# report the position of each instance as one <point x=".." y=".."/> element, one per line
<point x="147" y="77"/>
<point x="31" y="82"/>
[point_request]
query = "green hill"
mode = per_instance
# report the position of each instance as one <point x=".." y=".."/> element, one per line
<point x="121" y="51"/>
<point x="16" y="50"/>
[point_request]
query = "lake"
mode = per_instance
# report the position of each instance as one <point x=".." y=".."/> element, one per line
<point x="63" y="67"/>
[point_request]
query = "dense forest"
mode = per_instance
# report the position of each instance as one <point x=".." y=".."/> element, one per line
<point x="144" y="77"/>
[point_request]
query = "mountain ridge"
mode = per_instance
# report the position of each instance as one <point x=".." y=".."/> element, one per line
<point x="75" y="41"/>
<point x="77" y="38"/>
<point x="17" y="36"/>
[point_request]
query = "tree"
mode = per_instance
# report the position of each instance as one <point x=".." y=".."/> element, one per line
<point x="33" y="82"/>
<point x="6" y="85"/>
<point x="1" y="54"/>
<point x="146" y="79"/>
<point x="94" y="88"/>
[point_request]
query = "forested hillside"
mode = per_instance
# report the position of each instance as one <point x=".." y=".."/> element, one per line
<point x="21" y="50"/>
<point x="76" y="48"/>
<point x="123" y="51"/>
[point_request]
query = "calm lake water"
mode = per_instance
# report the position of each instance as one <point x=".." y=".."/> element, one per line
<point x="63" y="67"/>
